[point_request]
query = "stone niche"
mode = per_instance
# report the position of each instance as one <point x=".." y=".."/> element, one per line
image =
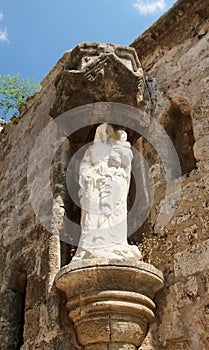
<point x="109" y="300"/>
<point x="94" y="75"/>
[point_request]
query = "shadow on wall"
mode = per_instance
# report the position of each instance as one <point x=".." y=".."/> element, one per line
<point x="178" y="126"/>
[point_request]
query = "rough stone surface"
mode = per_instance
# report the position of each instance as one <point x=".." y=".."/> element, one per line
<point x="176" y="65"/>
<point x="27" y="310"/>
<point x="174" y="57"/>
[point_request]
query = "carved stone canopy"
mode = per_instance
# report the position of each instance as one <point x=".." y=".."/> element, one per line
<point x="85" y="56"/>
<point x="100" y="72"/>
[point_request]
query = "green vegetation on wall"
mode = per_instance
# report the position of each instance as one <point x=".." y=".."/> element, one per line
<point x="14" y="90"/>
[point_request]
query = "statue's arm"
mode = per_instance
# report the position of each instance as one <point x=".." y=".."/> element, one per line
<point x="124" y="150"/>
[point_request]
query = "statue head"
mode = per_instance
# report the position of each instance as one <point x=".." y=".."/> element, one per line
<point x="122" y="135"/>
<point x="104" y="132"/>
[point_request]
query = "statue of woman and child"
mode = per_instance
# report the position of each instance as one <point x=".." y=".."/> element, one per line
<point x="104" y="179"/>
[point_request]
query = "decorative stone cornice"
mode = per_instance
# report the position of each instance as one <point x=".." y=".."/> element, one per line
<point x="95" y="72"/>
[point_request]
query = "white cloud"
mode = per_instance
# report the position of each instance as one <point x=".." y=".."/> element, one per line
<point x="4" y="35"/>
<point x="1" y="15"/>
<point x="149" y="6"/>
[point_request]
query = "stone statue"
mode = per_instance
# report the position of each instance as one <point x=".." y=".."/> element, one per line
<point x="104" y="180"/>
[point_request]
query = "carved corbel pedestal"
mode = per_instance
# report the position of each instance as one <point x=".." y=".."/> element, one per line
<point x="110" y="301"/>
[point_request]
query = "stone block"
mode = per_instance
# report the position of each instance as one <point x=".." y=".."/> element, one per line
<point x="32" y="323"/>
<point x="201" y="148"/>
<point x="10" y="335"/>
<point x="12" y="302"/>
<point x="36" y="291"/>
<point x="191" y="261"/>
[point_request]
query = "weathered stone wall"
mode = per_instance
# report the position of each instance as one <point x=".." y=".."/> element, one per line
<point x="174" y="55"/>
<point x="29" y="254"/>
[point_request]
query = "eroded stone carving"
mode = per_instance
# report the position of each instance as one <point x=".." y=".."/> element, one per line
<point x="100" y="72"/>
<point x="104" y="184"/>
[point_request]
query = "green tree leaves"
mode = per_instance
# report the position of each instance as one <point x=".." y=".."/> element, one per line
<point x="14" y="90"/>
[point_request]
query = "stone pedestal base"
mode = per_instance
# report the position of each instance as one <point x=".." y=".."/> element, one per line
<point x="110" y="301"/>
<point x="110" y="346"/>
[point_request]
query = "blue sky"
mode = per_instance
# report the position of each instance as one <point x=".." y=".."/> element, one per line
<point x="35" y="34"/>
